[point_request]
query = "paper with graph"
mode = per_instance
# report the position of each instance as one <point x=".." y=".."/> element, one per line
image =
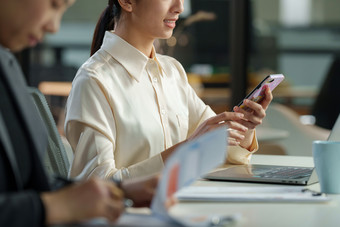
<point x="187" y="164"/>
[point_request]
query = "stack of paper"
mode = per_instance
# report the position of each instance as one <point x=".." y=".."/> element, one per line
<point x="250" y="194"/>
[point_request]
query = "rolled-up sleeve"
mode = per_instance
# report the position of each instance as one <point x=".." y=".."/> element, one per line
<point x="239" y="155"/>
<point x="94" y="156"/>
<point x="90" y="128"/>
<point x="91" y="131"/>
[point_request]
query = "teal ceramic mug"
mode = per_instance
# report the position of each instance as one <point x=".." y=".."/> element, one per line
<point x="326" y="156"/>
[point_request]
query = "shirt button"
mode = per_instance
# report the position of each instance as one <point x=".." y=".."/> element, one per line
<point x="155" y="80"/>
<point x="163" y="111"/>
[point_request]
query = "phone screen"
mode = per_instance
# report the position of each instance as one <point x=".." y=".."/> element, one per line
<point x="257" y="95"/>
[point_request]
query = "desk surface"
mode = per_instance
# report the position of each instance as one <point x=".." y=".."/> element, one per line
<point x="269" y="214"/>
<point x="253" y="214"/>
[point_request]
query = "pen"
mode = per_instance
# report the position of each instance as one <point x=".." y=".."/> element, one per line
<point x="127" y="202"/>
<point x="314" y="193"/>
<point x="64" y="180"/>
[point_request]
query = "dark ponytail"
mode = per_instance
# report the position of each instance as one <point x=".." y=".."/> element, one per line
<point x="105" y="23"/>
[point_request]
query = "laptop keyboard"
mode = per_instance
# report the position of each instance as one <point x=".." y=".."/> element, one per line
<point x="284" y="172"/>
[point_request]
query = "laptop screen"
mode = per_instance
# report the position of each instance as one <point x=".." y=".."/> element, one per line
<point x="335" y="133"/>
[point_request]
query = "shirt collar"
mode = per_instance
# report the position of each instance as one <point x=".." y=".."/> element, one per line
<point x="133" y="60"/>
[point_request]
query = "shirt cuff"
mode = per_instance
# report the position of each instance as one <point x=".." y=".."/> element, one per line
<point x="147" y="167"/>
<point x="241" y="156"/>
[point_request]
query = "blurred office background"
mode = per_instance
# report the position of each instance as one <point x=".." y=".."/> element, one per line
<point x="298" y="38"/>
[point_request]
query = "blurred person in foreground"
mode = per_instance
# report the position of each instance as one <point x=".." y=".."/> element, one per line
<point x="28" y="196"/>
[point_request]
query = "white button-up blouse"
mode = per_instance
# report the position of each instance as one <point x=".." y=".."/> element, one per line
<point x="125" y="108"/>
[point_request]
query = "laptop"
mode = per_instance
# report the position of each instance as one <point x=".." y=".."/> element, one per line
<point x="292" y="175"/>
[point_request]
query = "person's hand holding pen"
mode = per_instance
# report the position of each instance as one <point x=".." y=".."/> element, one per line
<point x="83" y="201"/>
<point x="97" y="198"/>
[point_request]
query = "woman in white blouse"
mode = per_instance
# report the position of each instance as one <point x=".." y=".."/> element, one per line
<point x="130" y="107"/>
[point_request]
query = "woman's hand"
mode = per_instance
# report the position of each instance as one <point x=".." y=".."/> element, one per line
<point x="256" y="112"/>
<point x="83" y="201"/>
<point x="253" y="116"/>
<point x="230" y="119"/>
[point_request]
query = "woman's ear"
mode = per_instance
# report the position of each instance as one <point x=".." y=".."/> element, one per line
<point x="126" y="5"/>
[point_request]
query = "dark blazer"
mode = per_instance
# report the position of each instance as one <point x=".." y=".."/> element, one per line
<point x="23" y="142"/>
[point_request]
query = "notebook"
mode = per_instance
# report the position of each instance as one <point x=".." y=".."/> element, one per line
<point x="250" y="194"/>
<point x="293" y="175"/>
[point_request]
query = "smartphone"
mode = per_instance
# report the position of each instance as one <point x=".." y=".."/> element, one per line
<point x="257" y="95"/>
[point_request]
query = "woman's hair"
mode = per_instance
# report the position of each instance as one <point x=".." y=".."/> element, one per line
<point x="105" y="23"/>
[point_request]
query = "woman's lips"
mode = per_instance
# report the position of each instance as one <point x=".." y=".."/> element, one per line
<point x="171" y="23"/>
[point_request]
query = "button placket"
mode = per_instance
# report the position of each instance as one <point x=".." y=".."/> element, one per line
<point x="155" y="78"/>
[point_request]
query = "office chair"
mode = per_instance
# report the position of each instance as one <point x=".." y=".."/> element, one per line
<point x="56" y="161"/>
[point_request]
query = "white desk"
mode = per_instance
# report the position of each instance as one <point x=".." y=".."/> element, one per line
<point x="270" y="214"/>
<point x="254" y="214"/>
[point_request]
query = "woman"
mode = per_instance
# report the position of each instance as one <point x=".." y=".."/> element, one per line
<point x="129" y="107"/>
